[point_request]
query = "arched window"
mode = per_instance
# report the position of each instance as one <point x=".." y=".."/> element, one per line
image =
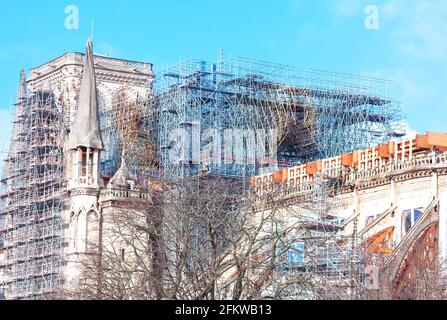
<point x="80" y="231"/>
<point x="92" y="230"/>
<point x="73" y="230"/>
<point x="85" y="165"/>
<point x="410" y="217"/>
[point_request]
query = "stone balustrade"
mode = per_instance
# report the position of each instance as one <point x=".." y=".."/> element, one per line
<point x="108" y="194"/>
<point x="390" y="168"/>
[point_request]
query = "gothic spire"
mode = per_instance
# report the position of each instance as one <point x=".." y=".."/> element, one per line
<point x="18" y="145"/>
<point x="21" y="94"/>
<point x="85" y="129"/>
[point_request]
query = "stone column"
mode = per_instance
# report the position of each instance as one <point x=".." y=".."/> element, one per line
<point x="77" y="173"/>
<point x="95" y="169"/>
<point x="443" y="230"/>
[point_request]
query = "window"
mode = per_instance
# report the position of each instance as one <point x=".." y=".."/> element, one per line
<point x="410" y="218"/>
<point x="371" y="219"/>
<point x="295" y="255"/>
<point x="417" y="214"/>
<point x="83" y="162"/>
<point x="92" y="235"/>
<point x="73" y="230"/>
<point x="90" y="164"/>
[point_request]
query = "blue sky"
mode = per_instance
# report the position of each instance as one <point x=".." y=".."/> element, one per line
<point x="410" y="46"/>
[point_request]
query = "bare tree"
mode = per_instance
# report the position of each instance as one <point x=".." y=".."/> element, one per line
<point x="206" y="237"/>
<point x="201" y="238"/>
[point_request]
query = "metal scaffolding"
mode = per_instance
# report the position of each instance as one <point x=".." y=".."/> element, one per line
<point x="250" y="117"/>
<point x="293" y="116"/>
<point x="337" y="259"/>
<point x="31" y="220"/>
<point x="32" y="213"/>
<point x="315" y="253"/>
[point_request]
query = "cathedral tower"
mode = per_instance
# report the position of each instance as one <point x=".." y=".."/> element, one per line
<point x="83" y="150"/>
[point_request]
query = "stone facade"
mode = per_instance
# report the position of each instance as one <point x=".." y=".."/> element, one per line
<point x="63" y="76"/>
<point x="84" y="196"/>
<point x="401" y="186"/>
<point x="378" y="191"/>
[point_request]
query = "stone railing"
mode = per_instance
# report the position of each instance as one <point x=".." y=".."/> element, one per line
<point x="427" y="161"/>
<point x="83" y="182"/>
<point x="109" y="194"/>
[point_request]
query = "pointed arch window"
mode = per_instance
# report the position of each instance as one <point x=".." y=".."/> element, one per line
<point x="92" y="236"/>
<point x="85" y="164"/>
<point x="73" y="230"/>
